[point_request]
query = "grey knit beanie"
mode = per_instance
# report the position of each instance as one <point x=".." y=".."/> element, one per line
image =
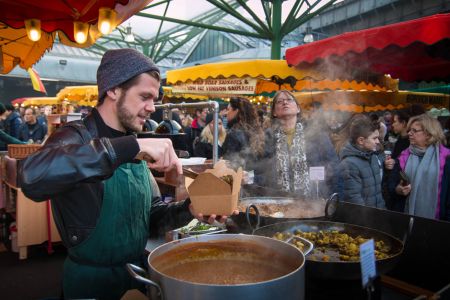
<point x="120" y="65"/>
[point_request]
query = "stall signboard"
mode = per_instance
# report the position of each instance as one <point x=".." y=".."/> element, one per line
<point x="437" y="100"/>
<point x="233" y="86"/>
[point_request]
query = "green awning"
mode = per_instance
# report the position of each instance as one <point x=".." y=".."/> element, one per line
<point x="443" y="89"/>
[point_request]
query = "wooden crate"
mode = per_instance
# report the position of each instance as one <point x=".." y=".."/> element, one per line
<point x="18" y="151"/>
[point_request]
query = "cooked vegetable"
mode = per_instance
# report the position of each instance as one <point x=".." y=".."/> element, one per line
<point x="333" y="245"/>
<point x="198" y="227"/>
<point x="228" y="179"/>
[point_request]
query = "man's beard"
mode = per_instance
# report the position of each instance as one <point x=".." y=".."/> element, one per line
<point x="125" y="116"/>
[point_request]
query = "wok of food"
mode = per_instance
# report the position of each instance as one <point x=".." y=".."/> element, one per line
<point x="334" y="245"/>
<point x="286" y="208"/>
<point x="223" y="263"/>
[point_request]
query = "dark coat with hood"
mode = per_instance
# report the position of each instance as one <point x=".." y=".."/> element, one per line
<point x="360" y="176"/>
<point x="12" y="124"/>
<point x="236" y="149"/>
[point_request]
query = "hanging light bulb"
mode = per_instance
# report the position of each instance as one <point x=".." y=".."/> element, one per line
<point x="129" y="37"/>
<point x="309" y="38"/>
<point x="33" y="27"/>
<point x="106" y="20"/>
<point x="80" y="32"/>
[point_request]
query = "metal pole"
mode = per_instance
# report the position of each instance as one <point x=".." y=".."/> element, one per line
<point x="215" y="106"/>
<point x="276" y="29"/>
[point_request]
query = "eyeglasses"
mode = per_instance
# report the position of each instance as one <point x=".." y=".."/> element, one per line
<point x="287" y="100"/>
<point x="414" y="131"/>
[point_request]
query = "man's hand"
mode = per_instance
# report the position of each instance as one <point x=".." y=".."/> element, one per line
<point x="211" y="218"/>
<point x="159" y="154"/>
<point x="403" y="190"/>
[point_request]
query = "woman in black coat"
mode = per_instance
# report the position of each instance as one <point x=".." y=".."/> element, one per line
<point x="244" y="144"/>
<point x="203" y="147"/>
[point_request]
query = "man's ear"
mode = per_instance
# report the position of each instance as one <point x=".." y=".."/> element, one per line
<point x="360" y="140"/>
<point x="114" y="94"/>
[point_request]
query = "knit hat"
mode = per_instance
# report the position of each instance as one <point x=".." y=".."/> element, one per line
<point x="120" y="65"/>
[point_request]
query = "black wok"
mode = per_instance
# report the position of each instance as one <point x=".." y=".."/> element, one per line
<point x="338" y="269"/>
<point x="291" y="208"/>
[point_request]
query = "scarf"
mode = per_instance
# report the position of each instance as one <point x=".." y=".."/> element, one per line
<point x="291" y="167"/>
<point x="422" y="168"/>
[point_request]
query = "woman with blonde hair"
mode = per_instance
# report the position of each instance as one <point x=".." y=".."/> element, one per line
<point x="204" y="146"/>
<point x="423" y="163"/>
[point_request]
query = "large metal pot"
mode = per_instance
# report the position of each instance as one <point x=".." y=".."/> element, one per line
<point x="345" y="270"/>
<point x="288" y="286"/>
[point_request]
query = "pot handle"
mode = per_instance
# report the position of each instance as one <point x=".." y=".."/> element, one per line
<point x="408" y="232"/>
<point x="133" y="269"/>
<point x="308" y="245"/>
<point x="331" y="205"/>
<point x="258" y="218"/>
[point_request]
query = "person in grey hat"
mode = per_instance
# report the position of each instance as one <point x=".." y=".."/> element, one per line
<point x="96" y="172"/>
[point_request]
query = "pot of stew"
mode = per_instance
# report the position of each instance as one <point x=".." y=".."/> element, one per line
<point x="225" y="266"/>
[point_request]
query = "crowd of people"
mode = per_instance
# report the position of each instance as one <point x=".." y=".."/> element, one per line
<point x="395" y="160"/>
<point x="106" y="203"/>
<point x="23" y="126"/>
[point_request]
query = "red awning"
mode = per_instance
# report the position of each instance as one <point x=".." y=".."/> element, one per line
<point x="18" y="101"/>
<point x="412" y="51"/>
<point x="54" y="14"/>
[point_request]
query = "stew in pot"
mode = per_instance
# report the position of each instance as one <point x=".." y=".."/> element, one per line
<point x="223" y="263"/>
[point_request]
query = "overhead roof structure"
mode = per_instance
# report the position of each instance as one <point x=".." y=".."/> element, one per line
<point x="236" y="18"/>
<point x="195" y="40"/>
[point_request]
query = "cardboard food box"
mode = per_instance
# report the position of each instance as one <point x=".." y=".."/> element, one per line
<point x="212" y="195"/>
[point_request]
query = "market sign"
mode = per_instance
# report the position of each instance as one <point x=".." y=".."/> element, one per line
<point x="234" y="86"/>
<point x="440" y="100"/>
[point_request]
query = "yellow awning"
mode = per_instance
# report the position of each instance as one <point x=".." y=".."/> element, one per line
<point x="260" y="68"/>
<point x="272" y="75"/>
<point x="169" y="94"/>
<point x="368" y="101"/>
<point x="85" y="93"/>
<point x="38" y="101"/>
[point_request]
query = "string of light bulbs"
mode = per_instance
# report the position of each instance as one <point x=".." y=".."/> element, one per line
<point x="106" y="24"/>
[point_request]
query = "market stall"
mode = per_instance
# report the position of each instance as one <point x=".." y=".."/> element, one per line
<point x="414" y="50"/>
<point x="86" y="95"/>
<point x="28" y="31"/>
<point x="40" y="101"/>
<point x="171" y="97"/>
<point x="370" y="101"/>
<point x="262" y="78"/>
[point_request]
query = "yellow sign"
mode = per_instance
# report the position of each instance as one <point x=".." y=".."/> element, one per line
<point x="214" y="86"/>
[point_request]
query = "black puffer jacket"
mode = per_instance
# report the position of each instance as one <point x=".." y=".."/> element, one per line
<point x="70" y="169"/>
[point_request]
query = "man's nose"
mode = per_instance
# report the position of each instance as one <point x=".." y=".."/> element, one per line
<point x="150" y="107"/>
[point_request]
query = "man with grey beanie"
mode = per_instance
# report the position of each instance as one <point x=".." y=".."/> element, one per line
<point x="96" y="172"/>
